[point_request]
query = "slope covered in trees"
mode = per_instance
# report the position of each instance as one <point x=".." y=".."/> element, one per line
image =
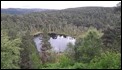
<point x="97" y="31"/>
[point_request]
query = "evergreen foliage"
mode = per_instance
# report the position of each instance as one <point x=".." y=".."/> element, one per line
<point x="97" y="31"/>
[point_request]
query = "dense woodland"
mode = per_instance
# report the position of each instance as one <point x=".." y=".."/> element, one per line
<point x="97" y="31"/>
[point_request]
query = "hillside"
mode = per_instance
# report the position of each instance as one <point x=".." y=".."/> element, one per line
<point x="97" y="31"/>
<point x="79" y="18"/>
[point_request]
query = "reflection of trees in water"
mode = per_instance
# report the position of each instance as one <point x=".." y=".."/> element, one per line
<point x="59" y="42"/>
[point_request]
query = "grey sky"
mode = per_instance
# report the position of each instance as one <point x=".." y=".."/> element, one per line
<point x="56" y="4"/>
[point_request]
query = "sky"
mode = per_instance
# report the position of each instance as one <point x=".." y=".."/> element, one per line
<point x="56" y="4"/>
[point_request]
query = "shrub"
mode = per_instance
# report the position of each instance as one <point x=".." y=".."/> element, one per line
<point x="79" y="66"/>
<point x="108" y="60"/>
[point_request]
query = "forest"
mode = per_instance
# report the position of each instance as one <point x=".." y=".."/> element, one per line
<point x="97" y="31"/>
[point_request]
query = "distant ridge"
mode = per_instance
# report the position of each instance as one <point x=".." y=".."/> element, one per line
<point x="21" y="10"/>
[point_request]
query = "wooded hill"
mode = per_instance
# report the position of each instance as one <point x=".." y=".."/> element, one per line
<point x="21" y="11"/>
<point x="84" y="23"/>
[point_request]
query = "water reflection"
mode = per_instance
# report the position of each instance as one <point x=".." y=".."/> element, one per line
<point x="58" y="42"/>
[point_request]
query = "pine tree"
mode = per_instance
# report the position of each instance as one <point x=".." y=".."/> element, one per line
<point x="10" y="52"/>
<point x="89" y="45"/>
<point x="44" y="54"/>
